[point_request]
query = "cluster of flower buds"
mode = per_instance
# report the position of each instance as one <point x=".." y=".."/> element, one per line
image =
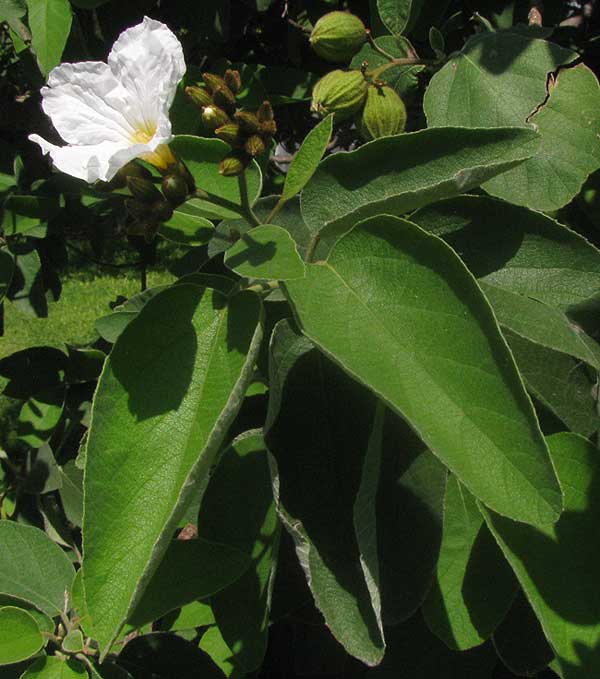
<point x="149" y="205"/>
<point x="248" y="133"/>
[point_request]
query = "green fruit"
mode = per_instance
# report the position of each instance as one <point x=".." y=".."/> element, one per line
<point x="384" y="113"/>
<point x="338" y="36"/>
<point x="339" y="92"/>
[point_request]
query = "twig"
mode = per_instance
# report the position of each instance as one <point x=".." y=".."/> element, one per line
<point x="247" y="208"/>
<point x="300" y="27"/>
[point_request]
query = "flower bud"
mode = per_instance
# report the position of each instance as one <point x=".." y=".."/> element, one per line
<point x="139" y="211"/>
<point x="231" y="134"/>
<point x="175" y="188"/>
<point x="265" y="112"/>
<point x="338" y="36"/>
<point x="268" y="127"/>
<point x="223" y="98"/>
<point x="248" y="122"/>
<point x="161" y="211"/>
<point x="339" y="92"/>
<point x="233" y="164"/>
<point x="198" y="96"/>
<point x="143" y="190"/>
<point x="255" y="146"/>
<point x="213" y="82"/>
<point x="233" y="80"/>
<point x="384" y="113"/>
<point x="213" y="117"/>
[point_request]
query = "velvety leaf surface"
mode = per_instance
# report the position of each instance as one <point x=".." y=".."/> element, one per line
<point x="565" y="385"/>
<point x="20" y="636"/>
<point x="557" y="566"/>
<point x="499" y="79"/>
<point x="319" y="423"/>
<point x="396" y="308"/>
<point x="33" y="568"/>
<point x="238" y="510"/>
<point x="307" y="159"/>
<point x="517" y="249"/>
<point x="398" y="15"/>
<point x="50" y="24"/>
<point x="202" y="157"/>
<point x="189" y="570"/>
<point x="462" y="609"/>
<point x="398" y="174"/>
<point x="168" y="392"/>
<point x="186" y="227"/>
<point x="266" y="252"/>
<point x="520" y="642"/>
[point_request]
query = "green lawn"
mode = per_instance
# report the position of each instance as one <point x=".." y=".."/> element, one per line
<point x="86" y="296"/>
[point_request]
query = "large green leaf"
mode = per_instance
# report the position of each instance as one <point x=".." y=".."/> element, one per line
<point x="186" y="227"/>
<point x="50" y="24"/>
<point x="238" y="510"/>
<point x="517" y="249"/>
<point x="202" y="157"/>
<point x="20" y="636"/>
<point x="39" y="416"/>
<point x="26" y="290"/>
<point x="189" y="570"/>
<point x="462" y="608"/>
<point x="7" y="266"/>
<point x="557" y="565"/>
<point x="397" y="309"/>
<point x="168" y="392"/>
<point x="500" y="79"/>
<point x="33" y="568"/>
<point x="267" y="252"/>
<point x="398" y="174"/>
<point x="318" y="431"/>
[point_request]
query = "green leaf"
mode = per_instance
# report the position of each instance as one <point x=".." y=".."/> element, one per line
<point x="33" y="568"/>
<point x="196" y="614"/>
<point x="319" y="425"/>
<point x="409" y="520"/>
<point x="20" y="636"/>
<point x="517" y="249"/>
<point x="7" y="267"/>
<point x="397" y="309"/>
<point x="186" y="227"/>
<point x="557" y="565"/>
<point x="12" y="9"/>
<point x="71" y="492"/>
<point x="212" y="642"/>
<point x="26" y="290"/>
<point x="202" y="157"/>
<point x="501" y="79"/>
<point x="39" y="417"/>
<point x="169" y="390"/>
<point x="246" y="521"/>
<point x="53" y="667"/>
<point x="461" y="607"/>
<point x="398" y="174"/>
<point x="25" y="214"/>
<point x="404" y="79"/>
<point x="564" y="385"/>
<point x="520" y="641"/>
<point x="73" y="641"/>
<point x="266" y="252"/>
<point x="50" y="25"/>
<point x="399" y="15"/>
<point x="542" y="324"/>
<point x="189" y="570"/>
<point x="307" y="159"/>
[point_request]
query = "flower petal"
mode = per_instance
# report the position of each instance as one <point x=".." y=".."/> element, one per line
<point x="148" y="60"/>
<point x="94" y="161"/>
<point x="87" y="104"/>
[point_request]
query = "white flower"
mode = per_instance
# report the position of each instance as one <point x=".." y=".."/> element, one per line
<point x="112" y="113"/>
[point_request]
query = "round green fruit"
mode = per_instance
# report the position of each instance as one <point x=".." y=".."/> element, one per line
<point x="340" y="92"/>
<point x="384" y="114"/>
<point x="338" y="36"/>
